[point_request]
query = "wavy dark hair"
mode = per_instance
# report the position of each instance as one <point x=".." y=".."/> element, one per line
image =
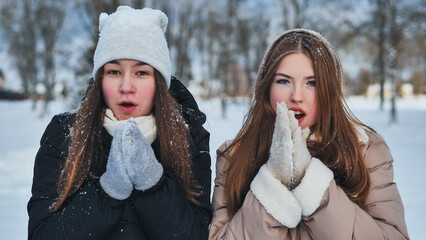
<point x="336" y="145"/>
<point x="86" y="141"/>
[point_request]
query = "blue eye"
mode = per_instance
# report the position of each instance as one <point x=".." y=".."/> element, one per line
<point x="283" y="81"/>
<point x="312" y="83"/>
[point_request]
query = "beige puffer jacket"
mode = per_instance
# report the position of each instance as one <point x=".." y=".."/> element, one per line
<point x="317" y="208"/>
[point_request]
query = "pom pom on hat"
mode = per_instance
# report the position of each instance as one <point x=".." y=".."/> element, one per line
<point x="136" y="34"/>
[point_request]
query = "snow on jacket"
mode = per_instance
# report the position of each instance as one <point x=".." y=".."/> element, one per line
<point x="161" y="212"/>
<point x="336" y="217"/>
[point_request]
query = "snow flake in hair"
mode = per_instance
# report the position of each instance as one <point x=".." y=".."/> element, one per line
<point x="320" y="50"/>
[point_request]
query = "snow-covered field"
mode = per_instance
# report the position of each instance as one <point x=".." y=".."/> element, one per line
<point x="21" y="129"/>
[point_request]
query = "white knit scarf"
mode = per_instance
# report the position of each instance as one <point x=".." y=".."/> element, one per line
<point x="146" y="125"/>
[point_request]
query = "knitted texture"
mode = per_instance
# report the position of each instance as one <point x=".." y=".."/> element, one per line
<point x="146" y="125"/>
<point x="289" y="155"/>
<point x="115" y="180"/>
<point x="139" y="159"/>
<point x="136" y="34"/>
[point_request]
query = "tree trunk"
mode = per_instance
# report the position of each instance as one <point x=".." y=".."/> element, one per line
<point x="394" y="40"/>
<point x="381" y="41"/>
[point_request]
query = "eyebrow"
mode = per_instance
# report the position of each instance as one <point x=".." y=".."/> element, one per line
<point x="287" y="76"/>
<point x="139" y="63"/>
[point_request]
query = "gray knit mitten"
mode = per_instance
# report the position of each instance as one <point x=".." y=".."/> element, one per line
<point x="141" y="164"/>
<point x="115" y="181"/>
<point x="289" y="156"/>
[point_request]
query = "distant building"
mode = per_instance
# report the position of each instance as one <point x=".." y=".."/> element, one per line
<point x="405" y="89"/>
<point x="373" y="90"/>
<point x="59" y="90"/>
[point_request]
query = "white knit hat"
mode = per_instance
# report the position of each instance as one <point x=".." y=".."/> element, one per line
<point x="136" y="34"/>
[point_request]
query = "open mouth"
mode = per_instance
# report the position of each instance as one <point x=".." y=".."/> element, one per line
<point x="127" y="104"/>
<point x="127" y="107"/>
<point x="298" y="115"/>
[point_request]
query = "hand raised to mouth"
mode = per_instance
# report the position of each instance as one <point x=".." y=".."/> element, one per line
<point x="289" y="155"/>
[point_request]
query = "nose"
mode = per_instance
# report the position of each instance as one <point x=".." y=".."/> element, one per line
<point x="127" y="84"/>
<point x="296" y="94"/>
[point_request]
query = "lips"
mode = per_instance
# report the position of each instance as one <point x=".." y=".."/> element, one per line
<point x="127" y="107"/>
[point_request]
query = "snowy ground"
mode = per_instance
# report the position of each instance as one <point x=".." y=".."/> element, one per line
<point x="21" y="129"/>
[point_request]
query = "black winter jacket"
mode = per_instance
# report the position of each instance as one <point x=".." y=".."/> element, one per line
<point x="161" y="212"/>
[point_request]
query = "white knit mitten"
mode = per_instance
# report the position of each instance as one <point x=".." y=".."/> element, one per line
<point x="289" y="155"/>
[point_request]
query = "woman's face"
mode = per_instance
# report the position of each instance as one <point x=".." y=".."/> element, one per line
<point x="128" y="87"/>
<point x="294" y="84"/>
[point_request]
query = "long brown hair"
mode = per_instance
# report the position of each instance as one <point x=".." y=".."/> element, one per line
<point x="86" y="141"/>
<point x="336" y="143"/>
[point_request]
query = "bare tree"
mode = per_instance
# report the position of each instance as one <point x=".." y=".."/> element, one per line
<point x="185" y="30"/>
<point x="90" y="11"/>
<point x="228" y="51"/>
<point x="181" y="31"/>
<point x="138" y="3"/>
<point x="414" y="45"/>
<point x="209" y="39"/>
<point x="395" y="37"/>
<point x="294" y="13"/>
<point x="49" y="17"/>
<point x="168" y="8"/>
<point x="392" y="22"/>
<point x="219" y="39"/>
<point x="252" y="41"/>
<point x="17" y="21"/>
<point x="380" y="19"/>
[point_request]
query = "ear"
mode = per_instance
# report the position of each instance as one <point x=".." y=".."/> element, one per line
<point x="160" y="19"/>
<point x="121" y="8"/>
<point x="102" y="21"/>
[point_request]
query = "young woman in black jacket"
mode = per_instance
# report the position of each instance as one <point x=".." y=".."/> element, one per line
<point x="133" y="161"/>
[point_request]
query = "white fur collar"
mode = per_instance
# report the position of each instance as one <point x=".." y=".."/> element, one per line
<point x="146" y="125"/>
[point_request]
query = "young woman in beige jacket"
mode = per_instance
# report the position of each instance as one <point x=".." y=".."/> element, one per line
<point x="303" y="166"/>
